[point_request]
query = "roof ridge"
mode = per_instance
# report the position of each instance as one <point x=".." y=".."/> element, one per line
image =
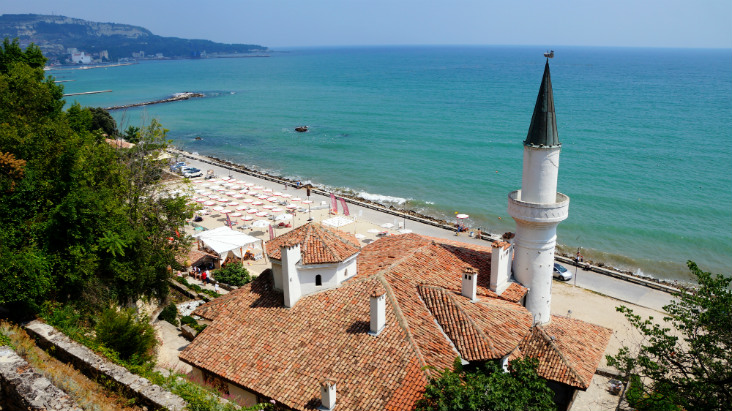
<point x="402" y="259"/>
<point x="337" y="237"/>
<point x="402" y="321"/>
<point x="319" y="233"/>
<point x="551" y="342"/>
<point x="473" y="323"/>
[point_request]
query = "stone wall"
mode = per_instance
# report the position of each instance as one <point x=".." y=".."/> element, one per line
<point x="21" y="388"/>
<point x="94" y="366"/>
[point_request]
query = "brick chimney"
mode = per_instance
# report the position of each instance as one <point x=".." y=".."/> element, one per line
<point x="290" y="278"/>
<point x="500" y="266"/>
<point x="327" y="394"/>
<point x="378" y="311"/>
<point x="470" y="283"/>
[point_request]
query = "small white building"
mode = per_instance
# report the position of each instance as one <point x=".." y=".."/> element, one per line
<point x="310" y="259"/>
<point x="80" y="57"/>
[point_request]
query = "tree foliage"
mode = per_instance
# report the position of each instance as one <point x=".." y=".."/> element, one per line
<point x="79" y="218"/>
<point x="233" y="274"/>
<point x="488" y="387"/>
<point x="685" y="362"/>
<point x="130" y="336"/>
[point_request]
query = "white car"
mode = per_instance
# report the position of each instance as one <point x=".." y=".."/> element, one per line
<point x="561" y="273"/>
<point x="190" y="172"/>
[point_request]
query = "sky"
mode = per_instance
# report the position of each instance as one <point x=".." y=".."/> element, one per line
<point x="279" y="24"/>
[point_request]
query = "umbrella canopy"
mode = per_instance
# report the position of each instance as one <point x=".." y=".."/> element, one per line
<point x="209" y="203"/>
<point x="242" y="207"/>
<point x="235" y="215"/>
<point x="461" y="216"/>
<point x="260" y="223"/>
<point x="252" y="211"/>
<point x="247" y="200"/>
<point x="388" y="225"/>
<point x="247" y="218"/>
<point x="373" y="231"/>
<point x="283" y="217"/>
<point x="359" y="236"/>
<point x="276" y="210"/>
<point x="218" y="208"/>
<point x="262" y="214"/>
<point x="405" y="231"/>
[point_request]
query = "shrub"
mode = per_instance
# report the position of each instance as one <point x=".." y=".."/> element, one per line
<point x="188" y="320"/>
<point x="170" y="314"/>
<point x="130" y="336"/>
<point x="233" y="274"/>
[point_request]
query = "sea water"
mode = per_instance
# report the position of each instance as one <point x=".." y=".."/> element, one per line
<point x="646" y="134"/>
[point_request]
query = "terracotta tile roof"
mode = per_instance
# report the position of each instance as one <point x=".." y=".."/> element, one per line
<point x="318" y="244"/>
<point x="194" y="255"/>
<point x="433" y="261"/>
<point x="283" y="353"/>
<point x="487" y="329"/>
<point x="568" y="350"/>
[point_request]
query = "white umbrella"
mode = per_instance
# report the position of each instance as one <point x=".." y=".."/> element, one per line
<point x="247" y="201"/>
<point x="307" y="201"/>
<point x="218" y="208"/>
<point x="461" y="216"/>
<point x="272" y="199"/>
<point x="242" y="207"/>
<point x="291" y="206"/>
<point x="252" y="211"/>
<point x="267" y="190"/>
<point x="268" y="207"/>
<point x="262" y="214"/>
<point x="359" y="236"/>
<point x="276" y="210"/>
<point x="249" y="184"/>
<point x="247" y="218"/>
<point x="209" y="203"/>
<point x="373" y="231"/>
<point x="257" y="203"/>
<point x="388" y="225"/>
<point x="238" y="195"/>
<point x="235" y="215"/>
<point x="286" y="195"/>
<point x="405" y="231"/>
<point x="283" y="217"/>
<point x="276" y="194"/>
<point x="296" y="199"/>
<point x="260" y="223"/>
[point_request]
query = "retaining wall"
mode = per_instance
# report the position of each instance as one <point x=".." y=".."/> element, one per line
<point x="148" y="394"/>
<point x="21" y="388"/>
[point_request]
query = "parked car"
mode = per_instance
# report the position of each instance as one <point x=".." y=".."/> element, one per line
<point x="177" y="166"/>
<point x="561" y="272"/>
<point x="190" y="172"/>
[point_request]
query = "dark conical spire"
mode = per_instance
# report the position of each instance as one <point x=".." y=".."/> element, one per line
<point x="543" y="128"/>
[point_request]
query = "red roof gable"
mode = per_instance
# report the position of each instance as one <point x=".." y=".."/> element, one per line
<point x="318" y="244"/>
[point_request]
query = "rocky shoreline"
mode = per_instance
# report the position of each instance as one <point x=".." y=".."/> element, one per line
<point x="176" y="97"/>
<point x="413" y="215"/>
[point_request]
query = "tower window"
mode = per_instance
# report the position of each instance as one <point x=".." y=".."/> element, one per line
<point x="318" y="280"/>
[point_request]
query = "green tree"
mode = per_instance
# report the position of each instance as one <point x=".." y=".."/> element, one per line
<point x="233" y="274"/>
<point x="488" y="387"/>
<point x="130" y="336"/>
<point x="102" y="120"/>
<point x="685" y="362"/>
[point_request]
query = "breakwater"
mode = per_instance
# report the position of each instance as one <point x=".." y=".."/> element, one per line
<point x="176" y="97"/>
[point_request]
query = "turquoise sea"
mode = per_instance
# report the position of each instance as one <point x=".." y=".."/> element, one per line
<point x="646" y="134"/>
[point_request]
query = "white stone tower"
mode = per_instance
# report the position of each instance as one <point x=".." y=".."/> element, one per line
<point x="538" y="208"/>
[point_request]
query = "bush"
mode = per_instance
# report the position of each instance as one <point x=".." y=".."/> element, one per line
<point x="130" y="336"/>
<point x="170" y="314"/>
<point x="188" y="320"/>
<point x="233" y="274"/>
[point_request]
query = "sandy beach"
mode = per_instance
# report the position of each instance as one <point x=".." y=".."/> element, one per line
<point x="567" y="299"/>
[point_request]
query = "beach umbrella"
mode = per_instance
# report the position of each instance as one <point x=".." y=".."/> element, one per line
<point x="272" y="199"/>
<point x="291" y="206"/>
<point x="283" y="217"/>
<point x="262" y="214"/>
<point x="307" y="201"/>
<point x="233" y="204"/>
<point x="268" y="207"/>
<point x="260" y="223"/>
<point x="276" y="194"/>
<point x="462" y="216"/>
<point x="373" y="231"/>
<point x="258" y="187"/>
<point x="201" y="200"/>
<point x="267" y="190"/>
<point x="247" y="201"/>
<point x="249" y="184"/>
<point x="209" y="203"/>
<point x="287" y="196"/>
<point x="226" y="211"/>
<point x="252" y="211"/>
<point x="242" y="207"/>
<point x="257" y="203"/>
<point x="388" y="225"/>
<point x="360" y="236"/>
<point x="237" y="195"/>
<point x="247" y="218"/>
<point x="218" y="208"/>
<point x="405" y="231"/>
<point x="235" y="215"/>
<point x="276" y="210"/>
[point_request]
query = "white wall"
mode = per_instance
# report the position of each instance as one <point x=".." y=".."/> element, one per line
<point x="540" y="172"/>
<point x="242" y="397"/>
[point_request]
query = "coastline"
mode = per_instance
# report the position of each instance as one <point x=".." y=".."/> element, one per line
<point x="667" y="286"/>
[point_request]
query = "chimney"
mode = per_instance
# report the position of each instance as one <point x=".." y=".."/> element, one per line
<point x="500" y="266"/>
<point x="378" y="311"/>
<point x="290" y="279"/>
<point x="470" y="283"/>
<point x="327" y="394"/>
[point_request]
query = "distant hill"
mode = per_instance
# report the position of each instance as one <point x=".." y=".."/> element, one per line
<point x="56" y="34"/>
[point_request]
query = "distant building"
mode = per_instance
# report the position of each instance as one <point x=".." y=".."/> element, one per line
<point x="80" y="57"/>
<point x="139" y="55"/>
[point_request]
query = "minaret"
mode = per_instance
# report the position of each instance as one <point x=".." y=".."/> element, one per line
<point x="538" y="208"/>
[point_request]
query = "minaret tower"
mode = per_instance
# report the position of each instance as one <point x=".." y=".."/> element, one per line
<point x="538" y="208"/>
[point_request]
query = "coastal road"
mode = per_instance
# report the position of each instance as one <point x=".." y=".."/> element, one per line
<point x="603" y="284"/>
